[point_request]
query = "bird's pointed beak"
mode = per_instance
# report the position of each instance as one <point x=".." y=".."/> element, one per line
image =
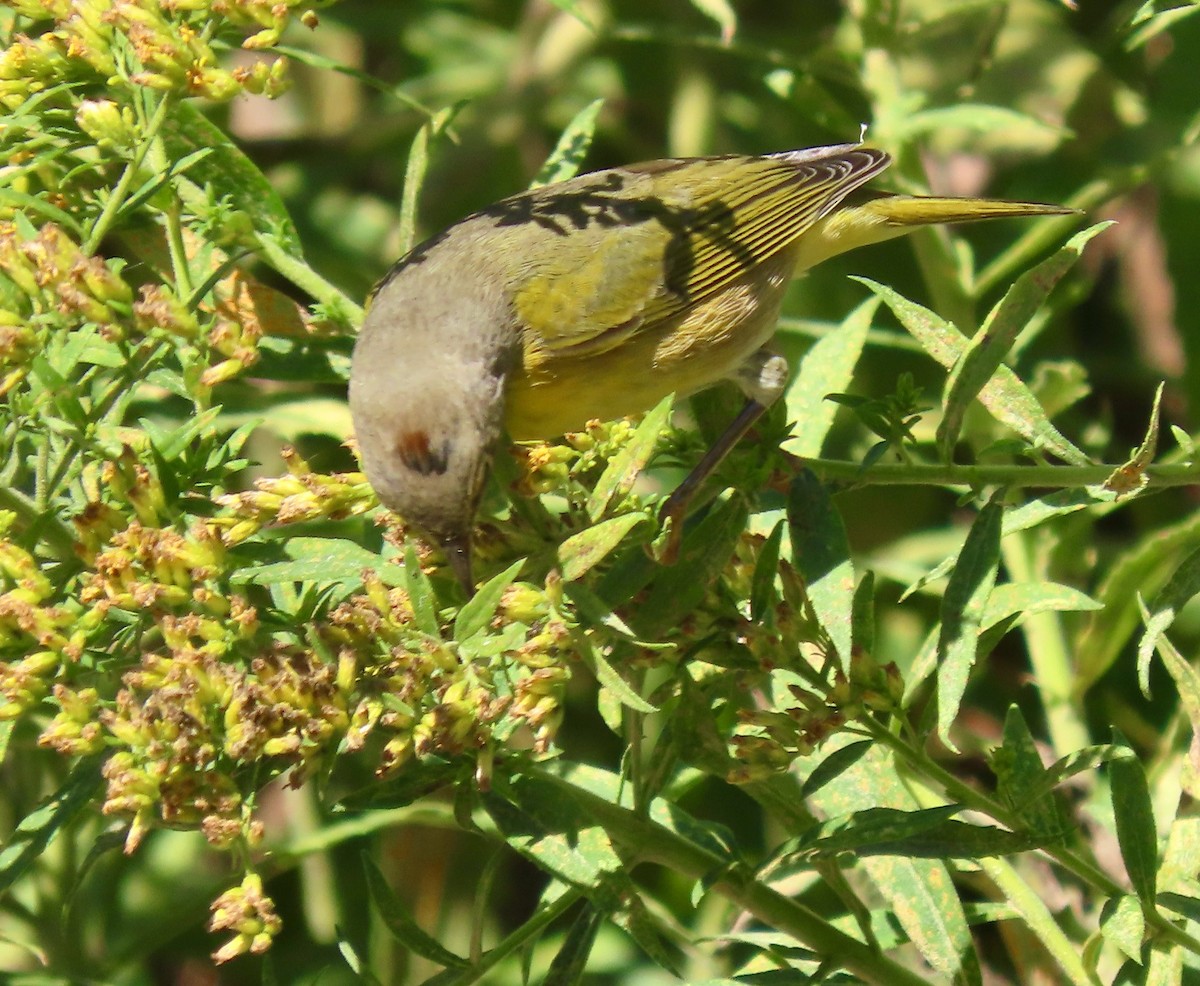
<point x="458" y="553"/>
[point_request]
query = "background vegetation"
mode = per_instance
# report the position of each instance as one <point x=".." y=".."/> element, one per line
<point x="921" y="713"/>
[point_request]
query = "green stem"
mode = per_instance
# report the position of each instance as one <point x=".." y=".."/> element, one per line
<point x="972" y="798"/>
<point x="1039" y="920"/>
<point x="50" y="529"/>
<point x="649" y="842"/>
<point x="120" y="192"/>
<point x="1049" y="652"/>
<point x="307" y="279"/>
<point x="1051" y="477"/>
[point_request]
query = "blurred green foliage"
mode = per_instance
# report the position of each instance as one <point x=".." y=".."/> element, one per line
<point x="902" y="717"/>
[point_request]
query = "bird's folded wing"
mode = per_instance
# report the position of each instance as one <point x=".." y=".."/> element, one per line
<point x="645" y="245"/>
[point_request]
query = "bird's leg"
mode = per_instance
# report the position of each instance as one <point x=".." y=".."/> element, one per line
<point x="763" y="378"/>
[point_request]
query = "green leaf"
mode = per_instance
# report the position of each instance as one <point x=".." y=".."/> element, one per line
<point x="414" y="176"/>
<point x="862" y="619"/>
<point x="572" y="147"/>
<point x="1133" y="812"/>
<point x="570" y="961"/>
<point x="1021" y="518"/>
<point x="762" y="586"/>
<point x="623" y="468"/>
<point x="1183" y="584"/>
<point x="322" y="561"/>
<point x="1007" y="398"/>
<point x="1144" y="28"/>
<point x="821" y="554"/>
<point x="837" y="763"/>
<point x="1087" y="758"/>
<point x="985" y="352"/>
<point x="679" y="588"/>
<point x="1022" y="781"/>
<point x="355" y="962"/>
<point x="228" y="173"/>
<point x="963" y="608"/>
<point x="1130" y="476"/>
<point x="1186" y="678"/>
<point x="827" y="366"/>
<point x="920" y="892"/>
<point x="608" y="677"/>
<point x="420" y="595"/>
<point x="860" y="831"/>
<point x="37" y="830"/>
<point x="542" y="822"/>
<point x="978" y="118"/>
<point x="1140" y="569"/>
<point x="1027" y="598"/>
<point x="476" y="615"/>
<point x="721" y="12"/>
<point x="581" y="552"/>
<point x="402" y="925"/>
<point x="1123" y="925"/>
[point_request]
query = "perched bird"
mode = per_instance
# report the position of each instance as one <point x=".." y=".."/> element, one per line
<point x="595" y="298"/>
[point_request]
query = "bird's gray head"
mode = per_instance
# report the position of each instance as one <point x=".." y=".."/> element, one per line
<point x="427" y="390"/>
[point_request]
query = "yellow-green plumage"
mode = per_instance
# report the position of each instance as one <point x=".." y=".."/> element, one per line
<point x="596" y="297"/>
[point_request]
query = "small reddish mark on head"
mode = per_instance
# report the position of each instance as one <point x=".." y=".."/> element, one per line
<point x="415" y="449"/>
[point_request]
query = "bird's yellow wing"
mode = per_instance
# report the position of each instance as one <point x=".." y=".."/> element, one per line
<point x="642" y="244"/>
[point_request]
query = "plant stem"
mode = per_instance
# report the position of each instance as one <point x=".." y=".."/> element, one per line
<point x="120" y="192"/>
<point x="650" y="842"/>
<point x="1049" y="476"/>
<point x="307" y="279"/>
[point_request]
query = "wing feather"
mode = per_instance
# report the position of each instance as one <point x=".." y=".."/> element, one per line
<point x="689" y="228"/>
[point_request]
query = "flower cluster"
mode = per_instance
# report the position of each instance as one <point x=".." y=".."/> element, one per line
<point x="56" y="281"/>
<point x="561" y="467"/>
<point x="250" y="914"/>
<point x="43" y="634"/>
<point x="805" y="713"/>
<point x="299" y="495"/>
<point x="425" y="696"/>
<point x="169" y="43"/>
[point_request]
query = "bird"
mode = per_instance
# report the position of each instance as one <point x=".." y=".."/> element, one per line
<point x="596" y="297"/>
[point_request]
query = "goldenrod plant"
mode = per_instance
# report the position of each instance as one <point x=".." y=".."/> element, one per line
<point x="915" y="701"/>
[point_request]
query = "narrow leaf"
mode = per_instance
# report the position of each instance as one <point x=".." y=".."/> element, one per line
<point x="569" y="963"/>
<point x="1183" y="584"/>
<point x="1006" y="396"/>
<point x="762" y="586"/>
<point x="420" y="594"/>
<point x="827" y="367"/>
<point x="833" y="766"/>
<point x="581" y="552"/>
<point x="414" y="174"/>
<point x="572" y="147"/>
<point x="1022" y="782"/>
<point x="1133" y="811"/>
<point x="985" y="352"/>
<point x="963" y="607"/>
<point x="608" y="677"/>
<point x="1123" y="925"/>
<point x="624" y="467"/>
<point x="37" y="829"/>
<point x="1130" y="477"/>
<point x="821" y="553"/>
<point x="721" y="12"/>
<point x="225" y="172"/>
<point x="478" y="611"/>
<point x="400" y="922"/>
